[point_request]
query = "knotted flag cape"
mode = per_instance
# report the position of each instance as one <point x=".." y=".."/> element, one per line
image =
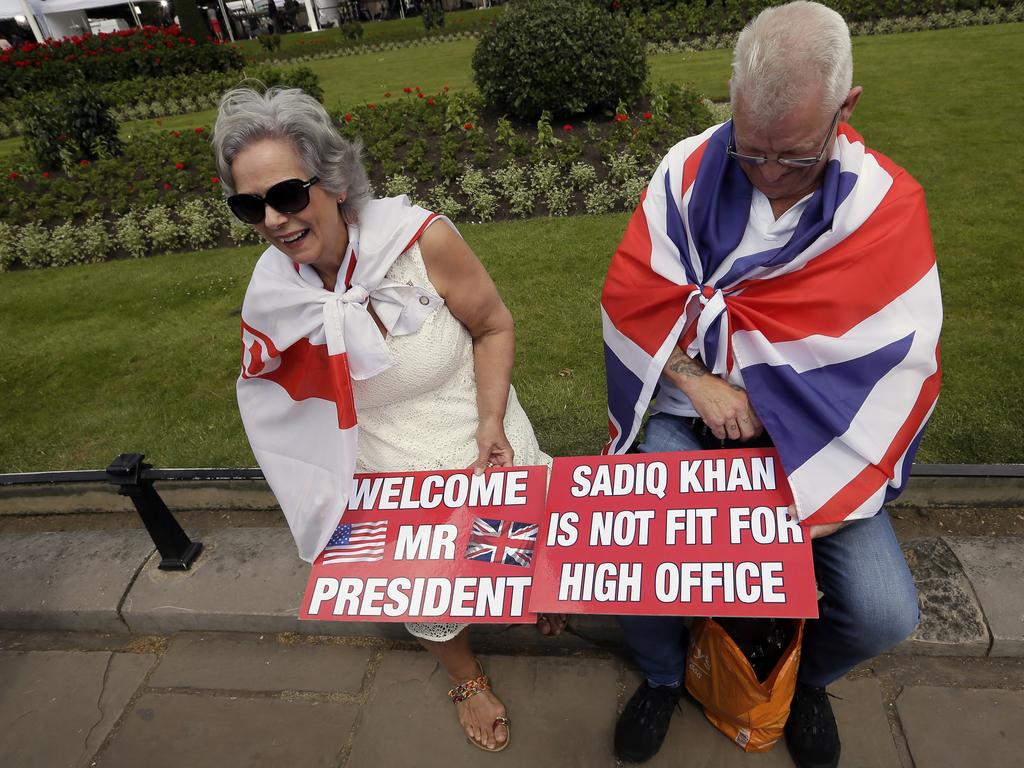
<point x="302" y="345"/>
<point x="835" y="332"/>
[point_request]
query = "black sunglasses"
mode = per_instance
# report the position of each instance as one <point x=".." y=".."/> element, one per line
<point x="289" y="196"/>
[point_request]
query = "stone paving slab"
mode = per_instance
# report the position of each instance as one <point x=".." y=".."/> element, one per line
<point x="692" y="740"/>
<point x="175" y="729"/>
<point x="956" y="727"/>
<point x="995" y="567"/>
<point x="562" y="712"/>
<point x="246" y="579"/>
<point x="952" y="621"/>
<point x="252" y="664"/>
<point x="57" y="707"/>
<point x="71" y="580"/>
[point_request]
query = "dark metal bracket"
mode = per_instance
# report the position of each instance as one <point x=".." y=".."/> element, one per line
<point x="177" y="551"/>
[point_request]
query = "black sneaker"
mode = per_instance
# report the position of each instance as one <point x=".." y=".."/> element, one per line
<point x="644" y="722"/>
<point x="811" y="733"/>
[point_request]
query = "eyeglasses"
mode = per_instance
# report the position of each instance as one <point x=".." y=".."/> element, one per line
<point x="289" y="196"/>
<point x="790" y="162"/>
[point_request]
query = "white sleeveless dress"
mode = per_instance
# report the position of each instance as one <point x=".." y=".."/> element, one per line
<point x="421" y="413"/>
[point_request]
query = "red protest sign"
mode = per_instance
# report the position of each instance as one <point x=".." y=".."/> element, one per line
<point x="701" y="534"/>
<point x="432" y="546"/>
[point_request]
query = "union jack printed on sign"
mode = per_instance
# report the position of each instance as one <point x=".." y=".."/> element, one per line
<point x="502" y="541"/>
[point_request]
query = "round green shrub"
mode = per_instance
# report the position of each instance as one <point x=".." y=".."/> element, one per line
<point x="565" y="56"/>
<point x="69" y="126"/>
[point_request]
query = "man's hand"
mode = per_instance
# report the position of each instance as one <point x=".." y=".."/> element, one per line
<point x="819" y="531"/>
<point x="724" y="407"/>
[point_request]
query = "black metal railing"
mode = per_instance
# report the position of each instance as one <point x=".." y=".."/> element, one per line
<point x="134" y="478"/>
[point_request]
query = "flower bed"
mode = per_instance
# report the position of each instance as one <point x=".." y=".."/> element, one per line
<point x="441" y="149"/>
<point x="108" y="57"/>
<point x="445" y="151"/>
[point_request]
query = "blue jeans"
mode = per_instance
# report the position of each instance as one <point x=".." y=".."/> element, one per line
<point x="869" y="603"/>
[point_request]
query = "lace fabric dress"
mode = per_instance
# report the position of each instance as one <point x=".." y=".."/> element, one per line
<point x="421" y="413"/>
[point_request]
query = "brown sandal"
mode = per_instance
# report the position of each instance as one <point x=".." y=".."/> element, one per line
<point x="471" y="688"/>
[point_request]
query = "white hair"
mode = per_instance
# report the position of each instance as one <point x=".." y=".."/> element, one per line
<point x="246" y="116"/>
<point x="787" y="53"/>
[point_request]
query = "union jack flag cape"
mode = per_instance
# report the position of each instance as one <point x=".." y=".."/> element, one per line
<point x="835" y="332"/>
<point x="302" y="345"/>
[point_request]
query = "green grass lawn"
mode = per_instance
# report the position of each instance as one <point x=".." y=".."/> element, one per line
<point x="381" y="31"/>
<point x="141" y="355"/>
<point x="365" y="77"/>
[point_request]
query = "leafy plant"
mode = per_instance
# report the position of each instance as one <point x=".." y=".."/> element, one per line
<point x="70" y="126"/>
<point x="564" y="56"/>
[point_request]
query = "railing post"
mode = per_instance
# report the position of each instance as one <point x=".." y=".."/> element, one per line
<point x="177" y="551"/>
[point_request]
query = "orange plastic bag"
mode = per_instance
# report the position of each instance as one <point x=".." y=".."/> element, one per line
<point x="718" y="675"/>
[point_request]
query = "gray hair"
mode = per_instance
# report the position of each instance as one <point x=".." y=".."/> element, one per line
<point x="246" y="116"/>
<point x="788" y="52"/>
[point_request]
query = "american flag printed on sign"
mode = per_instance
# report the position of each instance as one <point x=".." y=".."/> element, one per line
<point x="357" y="543"/>
<point x="834" y="333"/>
<point x="502" y="541"/>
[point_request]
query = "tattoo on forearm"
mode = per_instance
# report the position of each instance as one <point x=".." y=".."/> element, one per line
<point x="681" y="363"/>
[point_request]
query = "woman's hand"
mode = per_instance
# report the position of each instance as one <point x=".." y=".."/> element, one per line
<point x="495" y="450"/>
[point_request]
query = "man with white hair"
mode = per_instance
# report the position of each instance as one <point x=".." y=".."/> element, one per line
<point x="777" y="286"/>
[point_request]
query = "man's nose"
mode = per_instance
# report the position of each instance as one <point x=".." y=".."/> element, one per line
<point x="772" y="171"/>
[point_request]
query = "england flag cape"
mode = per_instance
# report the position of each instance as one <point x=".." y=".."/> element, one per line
<point x="835" y="332"/>
<point x="302" y="346"/>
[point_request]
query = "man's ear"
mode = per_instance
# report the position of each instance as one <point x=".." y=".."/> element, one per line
<point x="851" y="101"/>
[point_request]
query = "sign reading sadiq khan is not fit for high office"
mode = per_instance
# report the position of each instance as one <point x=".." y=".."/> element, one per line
<point x="706" y="533"/>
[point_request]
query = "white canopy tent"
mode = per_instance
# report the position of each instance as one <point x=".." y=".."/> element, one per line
<point x="63" y="18"/>
<point x="58" y="18"/>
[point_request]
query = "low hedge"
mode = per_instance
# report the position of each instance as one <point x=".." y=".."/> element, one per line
<point x="142" y="98"/>
<point x="659" y="22"/>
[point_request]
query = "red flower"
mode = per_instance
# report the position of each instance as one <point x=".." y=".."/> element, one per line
<point x="12" y="175"/>
<point x="446" y="89"/>
<point x="387" y="94"/>
<point x="83" y="163"/>
<point x="420" y="94"/>
<point x="180" y="166"/>
<point x="468" y="127"/>
<point x="431" y="102"/>
<point x="371" y="106"/>
<point x="417" y="89"/>
<point x="176" y="134"/>
<point x="199" y="130"/>
<point x="214" y="180"/>
<point x="621" y="118"/>
<point x="348" y="117"/>
<point x="167" y="185"/>
<point x="648" y="115"/>
<point x="407" y="89"/>
<point x="567" y="128"/>
<point x="46" y="174"/>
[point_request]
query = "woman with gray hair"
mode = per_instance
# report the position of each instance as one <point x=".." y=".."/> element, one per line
<point x="363" y="311"/>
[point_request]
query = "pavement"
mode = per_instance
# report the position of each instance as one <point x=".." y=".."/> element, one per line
<point x="107" y="661"/>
